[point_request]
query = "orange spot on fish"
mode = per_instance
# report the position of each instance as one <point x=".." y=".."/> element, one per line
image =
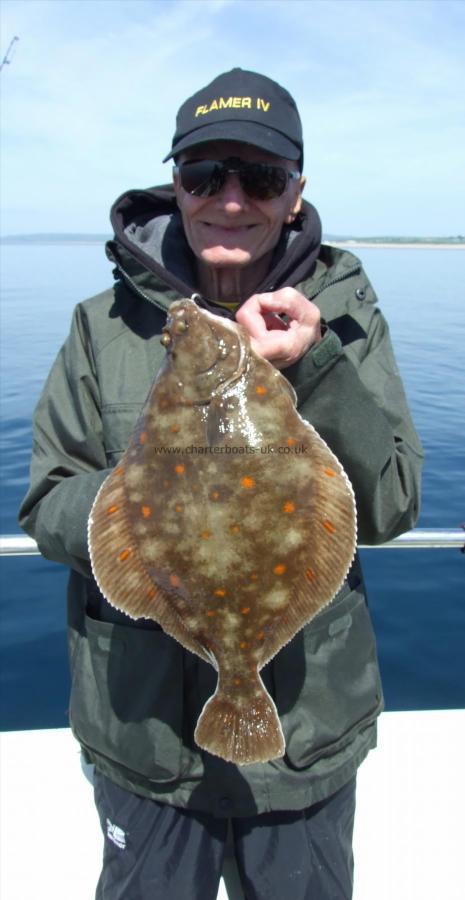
<point x="180" y="469"/>
<point x="142" y="437"/>
<point x="261" y="389"/>
<point x="174" y="580"/>
<point x="174" y="428"/>
<point x="253" y="576"/>
<point x="243" y="645"/>
<point x="178" y="507"/>
<point x="112" y="509"/>
<point x="234" y="529"/>
<point x="245" y="610"/>
<point x="330" y="472"/>
<point x="206" y="534"/>
<point x="247" y="482"/>
<point x="151" y="593"/>
<point x="289" y="507"/>
<point x="124" y="554"/>
<point x="211" y="612"/>
<point x="119" y="470"/>
<point x="220" y="592"/>
<point x="237" y="681"/>
<point x="309" y="573"/>
<point x="279" y="569"/>
<point x="214" y="495"/>
<point x="146" y="511"/>
<point x="329" y="526"/>
<point x="290" y="442"/>
<point x="260" y="635"/>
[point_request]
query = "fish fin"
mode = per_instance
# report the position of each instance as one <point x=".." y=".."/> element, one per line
<point x="319" y="581"/>
<point x="298" y="614"/>
<point x="241" y="732"/>
<point x="120" y="573"/>
<point x="313" y="590"/>
<point x="287" y="387"/>
<point x="211" y="657"/>
<point x="305" y="603"/>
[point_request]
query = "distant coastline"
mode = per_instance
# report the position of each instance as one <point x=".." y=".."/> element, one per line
<point x="451" y="242"/>
<point x="55" y="238"/>
<point x="440" y="244"/>
<point x="348" y="243"/>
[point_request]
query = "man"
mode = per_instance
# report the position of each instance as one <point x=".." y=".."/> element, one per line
<point x="235" y="232"/>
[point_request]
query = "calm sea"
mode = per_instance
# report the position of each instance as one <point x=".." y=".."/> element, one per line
<point x="417" y="597"/>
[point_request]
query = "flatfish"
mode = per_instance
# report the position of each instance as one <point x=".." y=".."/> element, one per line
<point x="228" y="521"/>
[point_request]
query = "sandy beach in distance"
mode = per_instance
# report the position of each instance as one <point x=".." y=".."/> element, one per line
<point x="346" y="245"/>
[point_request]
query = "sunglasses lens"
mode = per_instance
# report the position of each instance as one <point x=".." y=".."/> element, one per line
<point x="205" y="177"/>
<point x="263" y="182"/>
<point x="201" y="177"/>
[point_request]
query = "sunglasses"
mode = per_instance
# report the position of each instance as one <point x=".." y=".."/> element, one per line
<point x="206" y="177"/>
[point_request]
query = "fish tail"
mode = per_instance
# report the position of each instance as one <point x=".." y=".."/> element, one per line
<point x="241" y="732"/>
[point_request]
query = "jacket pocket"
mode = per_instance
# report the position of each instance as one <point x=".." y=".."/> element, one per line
<point x="118" y="421"/>
<point x="328" y="686"/>
<point x="126" y="698"/>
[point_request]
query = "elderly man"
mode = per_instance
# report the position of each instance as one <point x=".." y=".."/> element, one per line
<point x="235" y="233"/>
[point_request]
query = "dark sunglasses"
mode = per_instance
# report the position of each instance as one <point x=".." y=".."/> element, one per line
<point x="206" y="177"/>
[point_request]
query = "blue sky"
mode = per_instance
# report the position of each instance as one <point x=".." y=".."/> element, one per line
<point x="90" y="97"/>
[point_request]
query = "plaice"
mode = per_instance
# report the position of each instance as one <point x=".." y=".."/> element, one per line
<point x="228" y="521"/>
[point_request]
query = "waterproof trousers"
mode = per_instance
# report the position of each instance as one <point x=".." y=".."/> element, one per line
<point x="154" y="851"/>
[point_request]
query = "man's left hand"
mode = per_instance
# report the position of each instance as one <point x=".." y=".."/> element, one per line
<point x="281" y="341"/>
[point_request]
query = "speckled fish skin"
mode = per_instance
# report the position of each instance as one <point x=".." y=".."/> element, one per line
<point x="228" y="521"/>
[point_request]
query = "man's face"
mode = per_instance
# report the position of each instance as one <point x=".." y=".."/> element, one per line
<point x="230" y="229"/>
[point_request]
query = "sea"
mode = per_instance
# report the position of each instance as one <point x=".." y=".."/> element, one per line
<point x="416" y="597"/>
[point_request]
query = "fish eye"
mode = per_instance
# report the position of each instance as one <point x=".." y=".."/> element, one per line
<point x="180" y="326"/>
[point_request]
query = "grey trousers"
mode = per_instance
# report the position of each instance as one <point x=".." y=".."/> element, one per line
<point x="154" y="851"/>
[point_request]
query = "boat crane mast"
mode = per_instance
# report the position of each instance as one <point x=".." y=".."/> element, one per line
<point x="9" y="53"/>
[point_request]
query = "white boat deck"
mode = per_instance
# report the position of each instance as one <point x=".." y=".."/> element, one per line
<point x="409" y="836"/>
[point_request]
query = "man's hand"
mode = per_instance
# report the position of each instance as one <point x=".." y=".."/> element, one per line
<point x="281" y="341"/>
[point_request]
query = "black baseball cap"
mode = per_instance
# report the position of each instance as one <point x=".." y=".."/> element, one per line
<point x="241" y="106"/>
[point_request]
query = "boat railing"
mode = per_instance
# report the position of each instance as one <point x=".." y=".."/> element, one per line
<point x="418" y="538"/>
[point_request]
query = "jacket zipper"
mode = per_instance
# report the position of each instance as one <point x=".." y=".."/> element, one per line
<point x="196" y="297"/>
<point x="137" y="290"/>
<point x="140" y="293"/>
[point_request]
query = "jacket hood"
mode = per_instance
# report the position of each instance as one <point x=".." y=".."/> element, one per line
<point x="149" y="239"/>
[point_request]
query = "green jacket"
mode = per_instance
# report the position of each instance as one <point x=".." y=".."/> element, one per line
<point x="136" y="693"/>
